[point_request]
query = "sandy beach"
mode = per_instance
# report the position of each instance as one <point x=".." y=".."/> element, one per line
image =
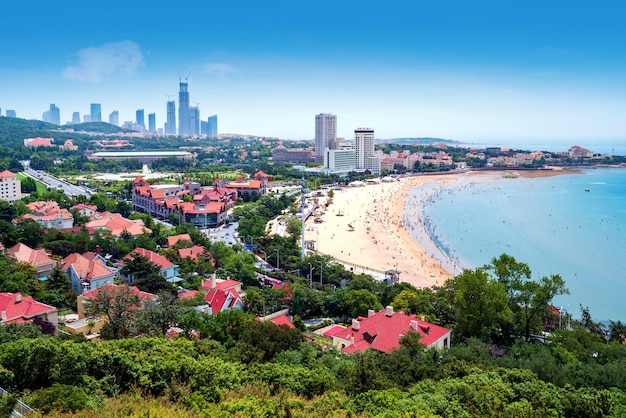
<point x="365" y="227"/>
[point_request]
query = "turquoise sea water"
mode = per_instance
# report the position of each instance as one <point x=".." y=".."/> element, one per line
<point x="553" y="224"/>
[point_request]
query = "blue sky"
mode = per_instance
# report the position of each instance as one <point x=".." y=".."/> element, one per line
<point x="503" y="72"/>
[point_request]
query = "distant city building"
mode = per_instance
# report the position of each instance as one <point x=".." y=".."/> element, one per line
<point x="139" y="118"/>
<point x="10" y="187"/>
<point x="170" y="125"/>
<point x="152" y="122"/>
<point x="204" y="128"/>
<point x="325" y="134"/>
<point x="114" y="118"/>
<point x="11" y="113"/>
<point x="212" y="129"/>
<point x="86" y="118"/>
<point x="194" y="121"/>
<point x="184" y="117"/>
<point x="132" y="126"/>
<point x="75" y="118"/>
<point x="364" y="143"/>
<point x="53" y="115"/>
<point x="96" y="113"/>
<point x="298" y="155"/>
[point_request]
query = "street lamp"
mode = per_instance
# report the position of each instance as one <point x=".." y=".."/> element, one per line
<point x="311" y="268"/>
<point x="277" y="259"/>
<point x="297" y="271"/>
<point x="264" y="259"/>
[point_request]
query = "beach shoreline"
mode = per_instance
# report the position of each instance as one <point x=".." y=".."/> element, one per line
<point x="365" y="227"/>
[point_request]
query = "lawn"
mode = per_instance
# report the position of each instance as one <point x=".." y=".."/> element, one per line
<point x="41" y="188"/>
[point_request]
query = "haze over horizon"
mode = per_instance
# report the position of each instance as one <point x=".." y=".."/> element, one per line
<point x="488" y="71"/>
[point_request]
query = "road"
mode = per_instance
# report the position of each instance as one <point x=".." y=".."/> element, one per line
<point x="56" y="183"/>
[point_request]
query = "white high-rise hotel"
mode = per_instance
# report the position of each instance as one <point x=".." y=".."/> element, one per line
<point x="364" y="144"/>
<point x="325" y="134"/>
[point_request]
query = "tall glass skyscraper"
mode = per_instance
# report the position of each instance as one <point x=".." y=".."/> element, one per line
<point x="139" y="119"/>
<point x="152" y="122"/>
<point x="170" y="125"/>
<point x="212" y="128"/>
<point x="96" y="113"/>
<point x="194" y="121"/>
<point x="325" y="134"/>
<point x="75" y="118"/>
<point x="114" y="118"/>
<point x="184" y="116"/>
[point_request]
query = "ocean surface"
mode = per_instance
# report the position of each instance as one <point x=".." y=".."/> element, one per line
<point x="571" y="225"/>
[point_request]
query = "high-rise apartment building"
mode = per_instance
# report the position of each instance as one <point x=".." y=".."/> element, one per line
<point x="364" y="143"/>
<point x="96" y="113"/>
<point x="75" y="118"/>
<point x="325" y="134"/>
<point x="86" y="118"/>
<point x="54" y="115"/>
<point x="212" y="128"/>
<point x="139" y="119"/>
<point x="152" y="123"/>
<point x="114" y="118"/>
<point x="194" y="120"/>
<point x="10" y="187"/>
<point x="170" y="125"/>
<point x="184" y="117"/>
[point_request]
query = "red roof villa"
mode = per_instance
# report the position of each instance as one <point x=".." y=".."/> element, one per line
<point x="15" y="308"/>
<point x="382" y="331"/>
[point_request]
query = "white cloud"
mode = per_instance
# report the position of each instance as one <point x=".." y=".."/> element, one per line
<point x="218" y="69"/>
<point x="105" y="62"/>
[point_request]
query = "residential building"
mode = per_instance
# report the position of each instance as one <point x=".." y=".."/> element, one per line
<point x="19" y="309"/>
<point x="53" y="115"/>
<point x="171" y="241"/>
<point x="87" y="271"/>
<point x="184" y="117"/>
<point x="114" y="118"/>
<point x="170" y="125"/>
<point x="11" y="113"/>
<point x="221" y="295"/>
<point x="212" y="128"/>
<point x="579" y="152"/>
<point x="152" y="123"/>
<point x="49" y="215"/>
<point x="86" y="118"/>
<point x="168" y="269"/>
<point x="192" y="253"/>
<point x="75" y="118"/>
<point x="295" y="155"/>
<point x="325" y="134"/>
<point x="85" y="210"/>
<point x="117" y="225"/>
<point x="96" y="113"/>
<point x="36" y="258"/>
<point x="10" y="187"/>
<point x="382" y="331"/>
<point x="364" y="144"/>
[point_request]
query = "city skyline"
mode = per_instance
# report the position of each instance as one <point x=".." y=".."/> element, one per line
<point x="482" y="71"/>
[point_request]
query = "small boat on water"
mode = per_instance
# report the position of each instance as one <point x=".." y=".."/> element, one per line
<point x="587" y="190"/>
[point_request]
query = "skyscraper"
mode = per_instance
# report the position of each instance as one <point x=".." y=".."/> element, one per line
<point x="194" y="120"/>
<point x="184" y="118"/>
<point x="11" y="113"/>
<point x="325" y="134"/>
<point x="170" y="125"/>
<point x="114" y="118"/>
<point x="152" y="122"/>
<point x="212" y="129"/>
<point x="75" y="118"/>
<point x="364" y="143"/>
<point x="96" y="113"/>
<point x="139" y="119"/>
<point x="55" y="114"/>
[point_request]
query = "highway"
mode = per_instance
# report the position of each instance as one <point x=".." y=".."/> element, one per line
<point x="56" y="183"/>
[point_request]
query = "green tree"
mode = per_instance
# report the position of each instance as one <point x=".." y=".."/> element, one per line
<point x="118" y="305"/>
<point x="359" y="301"/>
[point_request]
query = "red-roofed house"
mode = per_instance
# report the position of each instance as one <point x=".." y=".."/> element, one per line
<point x="117" y="224"/>
<point x="86" y="274"/>
<point x="168" y="269"/>
<point x="171" y="241"/>
<point x="86" y="210"/>
<point x="222" y="295"/>
<point x="10" y="187"/>
<point x="49" y="215"/>
<point x="15" y="308"/>
<point x="279" y="318"/>
<point x="38" y="142"/>
<point x="193" y="252"/>
<point x="382" y="331"/>
<point x="36" y="258"/>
